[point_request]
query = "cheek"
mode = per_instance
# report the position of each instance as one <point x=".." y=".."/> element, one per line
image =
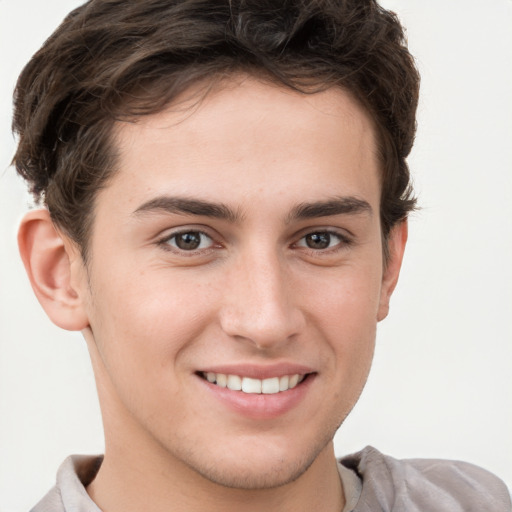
<point x="346" y="300"/>
<point x="343" y="309"/>
<point x="143" y="322"/>
<point x="142" y="330"/>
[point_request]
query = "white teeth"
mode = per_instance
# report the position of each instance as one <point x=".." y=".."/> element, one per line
<point x="270" y="386"/>
<point x="234" y="383"/>
<point x="254" y="386"/>
<point x="294" y="380"/>
<point x="283" y="383"/>
<point x="251" y="385"/>
<point x="222" y="380"/>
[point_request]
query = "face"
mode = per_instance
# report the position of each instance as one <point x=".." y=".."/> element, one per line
<point x="238" y="246"/>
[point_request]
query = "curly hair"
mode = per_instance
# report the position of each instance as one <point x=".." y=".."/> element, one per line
<point x="112" y="59"/>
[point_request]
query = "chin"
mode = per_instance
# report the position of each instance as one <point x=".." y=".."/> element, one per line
<point x="246" y="475"/>
<point x="263" y="464"/>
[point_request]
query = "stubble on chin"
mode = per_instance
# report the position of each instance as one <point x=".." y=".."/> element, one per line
<point x="251" y="475"/>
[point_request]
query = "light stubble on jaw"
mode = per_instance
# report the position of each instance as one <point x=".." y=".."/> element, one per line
<point x="244" y="481"/>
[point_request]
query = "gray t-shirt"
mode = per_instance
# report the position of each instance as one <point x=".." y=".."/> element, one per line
<point x="372" y="482"/>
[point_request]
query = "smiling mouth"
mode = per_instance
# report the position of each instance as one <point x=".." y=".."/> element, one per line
<point x="268" y="386"/>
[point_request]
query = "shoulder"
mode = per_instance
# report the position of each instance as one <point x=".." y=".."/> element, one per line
<point x="412" y="485"/>
<point x="69" y="494"/>
<point x="52" y="502"/>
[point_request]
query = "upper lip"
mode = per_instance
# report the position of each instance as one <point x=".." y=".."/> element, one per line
<point x="259" y="371"/>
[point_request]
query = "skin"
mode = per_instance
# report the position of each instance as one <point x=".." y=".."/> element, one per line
<point x="256" y="293"/>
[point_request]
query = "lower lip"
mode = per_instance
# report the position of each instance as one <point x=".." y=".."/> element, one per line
<point x="260" y="406"/>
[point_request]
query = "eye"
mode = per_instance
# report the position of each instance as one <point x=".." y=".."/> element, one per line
<point x="189" y="241"/>
<point x="321" y="240"/>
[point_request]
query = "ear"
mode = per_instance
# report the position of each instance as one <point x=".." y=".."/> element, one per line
<point x="55" y="269"/>
<point x="396" y="246"/>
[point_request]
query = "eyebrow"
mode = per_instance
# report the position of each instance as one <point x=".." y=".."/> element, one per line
<point x="348" y="205"/>
<point x="183" y="205"/>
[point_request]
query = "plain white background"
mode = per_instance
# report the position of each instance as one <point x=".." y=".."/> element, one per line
<point x="441" y="384"/>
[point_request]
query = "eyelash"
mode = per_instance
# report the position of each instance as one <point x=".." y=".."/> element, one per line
<point x="166" y="244"/>
<point x="343" y="242"/>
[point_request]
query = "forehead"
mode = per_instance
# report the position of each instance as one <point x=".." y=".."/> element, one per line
<point x="250" y="134"/>
<point x="248" y="103"/>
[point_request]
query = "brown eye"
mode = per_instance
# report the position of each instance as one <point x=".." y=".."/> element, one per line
<point x="190" y="241"/>
<point x="321" y="240"/>
<point x="318" y="240"/>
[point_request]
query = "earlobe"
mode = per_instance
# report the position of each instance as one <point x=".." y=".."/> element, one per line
<point x="397" y="240"/>
<point x="55" y="270"/>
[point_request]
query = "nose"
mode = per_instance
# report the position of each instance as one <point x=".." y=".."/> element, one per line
<point x="260" y="302"/>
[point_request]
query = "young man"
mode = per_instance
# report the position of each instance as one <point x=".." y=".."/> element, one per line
<point x="226" y="196"/>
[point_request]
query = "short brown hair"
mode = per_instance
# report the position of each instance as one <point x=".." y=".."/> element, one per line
<point x="111" y="59"/>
